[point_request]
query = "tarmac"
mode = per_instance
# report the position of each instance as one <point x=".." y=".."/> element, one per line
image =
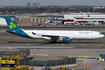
<point x="80" y="47"/>
<point x="20" y="41"/>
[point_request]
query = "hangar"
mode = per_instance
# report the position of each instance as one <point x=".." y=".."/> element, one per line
<point x="84" y="19"/>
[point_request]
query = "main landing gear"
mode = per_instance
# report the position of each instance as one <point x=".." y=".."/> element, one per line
<point x="93" y="40"/>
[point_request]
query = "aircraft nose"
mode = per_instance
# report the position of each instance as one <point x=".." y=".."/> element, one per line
<point x="102" y="35"/>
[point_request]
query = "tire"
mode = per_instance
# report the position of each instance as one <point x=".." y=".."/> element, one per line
<point x="8" y="65"/>
<point x="0" y="65"/>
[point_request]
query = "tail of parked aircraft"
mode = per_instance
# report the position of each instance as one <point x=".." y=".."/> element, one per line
<point x="13" y="28"/>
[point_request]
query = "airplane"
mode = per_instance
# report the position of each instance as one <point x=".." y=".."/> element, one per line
<point x="51" y="35"/>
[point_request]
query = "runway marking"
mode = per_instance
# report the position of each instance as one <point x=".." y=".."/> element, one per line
<point x="97" y="40"/>
<point x="82" y="44"/>
<point x="104" y="46"/>
<point x="85" y="47"/>
<point x="101" y="69"/>
<point x="62" y="44"/>
<point x="85" y="61"/>
<point x="28" y="44"/>
<point x="9" y="47"/>
<point x="101" y="45"/>
<point x="3" y="47"/>
<point x="45" y="41"/>
<point x="75" y="41"/>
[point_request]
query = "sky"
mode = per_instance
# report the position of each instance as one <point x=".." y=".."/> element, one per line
<point x="53" y="2"/>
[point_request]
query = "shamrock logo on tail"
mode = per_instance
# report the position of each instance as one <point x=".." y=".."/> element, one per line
<point x="12" y="26"/>
<point x="90" y="32"/>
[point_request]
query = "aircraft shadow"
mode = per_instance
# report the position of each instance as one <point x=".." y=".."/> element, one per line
<point x="44" y="43"/>
<point x="52" y="42"/>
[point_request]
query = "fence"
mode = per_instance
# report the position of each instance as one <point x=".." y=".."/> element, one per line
<point x="8" y="52"/>
<point x="29" y="61"/>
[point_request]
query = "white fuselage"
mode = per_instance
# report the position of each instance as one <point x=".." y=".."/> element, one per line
<point x="65" y="33"/>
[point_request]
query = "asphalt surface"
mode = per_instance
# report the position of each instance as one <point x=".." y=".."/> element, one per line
<point x="21" y="41"/>
<point x="41" y="46"/>
<point x="59" y="27"/>
<point x="81" y="47"/>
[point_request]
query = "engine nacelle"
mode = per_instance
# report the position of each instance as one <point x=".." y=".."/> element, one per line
<point x="66" y="39"/>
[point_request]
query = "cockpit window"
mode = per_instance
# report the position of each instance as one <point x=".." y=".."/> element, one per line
<point x="33" y="33"/>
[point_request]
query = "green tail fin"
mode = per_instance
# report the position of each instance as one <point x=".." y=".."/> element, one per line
<point x="11" y="24"/>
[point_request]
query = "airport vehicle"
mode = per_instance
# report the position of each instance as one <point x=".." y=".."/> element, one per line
<point x="62" y="68"/>
<point x="22" y="67"/>
<point x="11" y="61"/>
<point x="3" y="61"/>
<point x="52" y="35"/>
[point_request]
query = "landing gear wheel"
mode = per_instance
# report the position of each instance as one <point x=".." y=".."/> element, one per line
<point x="15" y="65"/>
<point x="8" y="65"/>
<point x="0" y="65"/>
<point x="53" y="41"/>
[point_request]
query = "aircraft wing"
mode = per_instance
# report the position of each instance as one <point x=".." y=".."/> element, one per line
<point x="53" y="37"/>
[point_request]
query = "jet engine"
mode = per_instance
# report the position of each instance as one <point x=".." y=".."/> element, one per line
<point x="66" y="39"/>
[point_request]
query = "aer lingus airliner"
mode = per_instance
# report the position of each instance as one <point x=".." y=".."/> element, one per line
<point x="52" y="35"/>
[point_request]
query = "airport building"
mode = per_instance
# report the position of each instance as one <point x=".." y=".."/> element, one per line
<point x="84" y="19"/>
<point x="37" y="19"/>
<point x="32" y="20"/>
<point x="69" y="19"/>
